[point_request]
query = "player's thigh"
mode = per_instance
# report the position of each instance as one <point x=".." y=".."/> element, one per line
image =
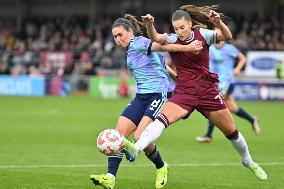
<point x="125" y="126"/>
<point x="134" y="111"/>
<point x="223" y="119"/>
<point x="231" y="103"/>
<point x="130" y="117"/>
<point x="154" y="104"/>
<point x="173" y="112"/>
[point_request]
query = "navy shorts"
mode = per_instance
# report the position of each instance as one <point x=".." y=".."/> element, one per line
<point x="231" y="89"/>
<point x="145" y="105"/>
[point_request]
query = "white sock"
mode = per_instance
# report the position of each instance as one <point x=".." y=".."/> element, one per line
<point x="112" y="176"/>
<point x="149" y="135"/>
<point x="241" y="146"/>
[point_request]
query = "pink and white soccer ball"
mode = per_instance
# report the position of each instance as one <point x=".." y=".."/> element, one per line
<point x="109" y="142"/>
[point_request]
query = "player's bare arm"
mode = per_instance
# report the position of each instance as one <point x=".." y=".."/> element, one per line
<point x="194" y="47"/>
<point x="241" y="62"/>
<point x="148" y="21"/>
<point x="223" y="34"/>
<point x="172" y="73"/>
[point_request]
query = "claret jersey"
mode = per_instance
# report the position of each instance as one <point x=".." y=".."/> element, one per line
<point x="193" y="67"/>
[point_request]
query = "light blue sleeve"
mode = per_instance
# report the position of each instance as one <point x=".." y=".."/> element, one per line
<point x="209" y="35"/>
<point x="171" y="38"/>
<point x="142" y="45"/>
<point x="234" y="52"/>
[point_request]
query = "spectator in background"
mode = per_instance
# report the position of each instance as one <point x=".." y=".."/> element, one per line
<point x="4" y="61"/>
<point x="123" y="89"/>
<point x="16" y="70"/>
<point x="34" y="71"/>
<point x="278" y="69"/>
<point x="87" y="62"/>
<point x="56" y="83"/>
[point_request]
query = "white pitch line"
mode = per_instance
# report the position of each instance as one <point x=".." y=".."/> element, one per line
<point x="133" y="165"/>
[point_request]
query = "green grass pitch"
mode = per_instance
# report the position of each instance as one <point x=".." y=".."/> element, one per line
<point x="50" y="143"/>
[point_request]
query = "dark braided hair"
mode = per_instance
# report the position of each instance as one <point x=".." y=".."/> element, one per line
<point x="200" y="15"/>
<point x="129" y="22"/>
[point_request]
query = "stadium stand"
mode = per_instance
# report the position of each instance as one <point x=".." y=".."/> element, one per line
<point x="43" y="45"/>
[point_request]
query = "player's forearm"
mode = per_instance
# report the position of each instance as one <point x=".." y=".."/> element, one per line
<point x="227" y="35"/>
<point x="241" y="62"/>
<point x="154" y="35"/>
<point x="173" y="48"/>
<point x="151" y="31"/>
<point x="172" y="73"/>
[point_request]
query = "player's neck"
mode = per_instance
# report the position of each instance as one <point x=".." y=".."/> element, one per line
<point x="190" y="37"/>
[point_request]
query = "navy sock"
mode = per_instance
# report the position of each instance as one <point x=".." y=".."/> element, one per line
<point x="113" y="163"/>
<point x="243" y="114"/>
<point x="156" y="158"/>
<point x="210" y="129"/>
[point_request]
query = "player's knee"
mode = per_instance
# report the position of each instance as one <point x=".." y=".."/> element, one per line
<point x="232" y="109"/>
<point x="234" y="135"/>
<point x="124" y="133"/>
<point x="163" y="119"/>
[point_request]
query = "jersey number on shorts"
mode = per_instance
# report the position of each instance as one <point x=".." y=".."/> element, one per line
<point x="220" y="98"/>
<point x="154" y="104"/>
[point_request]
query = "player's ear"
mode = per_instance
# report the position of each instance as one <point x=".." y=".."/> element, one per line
<point x="190" y="23"/>
<point x="130" y="32"/>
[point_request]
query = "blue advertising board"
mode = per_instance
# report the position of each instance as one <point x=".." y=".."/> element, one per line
<point x="263" y="63"/>
<point x="22" y="86"/>
<point x="271" y="91"/>
<point x="259" y="91"/>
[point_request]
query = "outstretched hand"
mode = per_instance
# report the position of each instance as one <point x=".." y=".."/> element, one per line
<point x="214" y="17"/>
<point x="195" y="47"/>
<point x="148" y="19"/>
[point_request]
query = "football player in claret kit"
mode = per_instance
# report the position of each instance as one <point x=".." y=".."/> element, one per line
<point x="154" y="87"/>
<point x="196" y="86"/>
<point x="222" y="56"/>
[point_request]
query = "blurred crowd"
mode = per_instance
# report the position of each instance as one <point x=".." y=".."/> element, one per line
<point x="258" y="32"/>
<point x="78" y="45"/>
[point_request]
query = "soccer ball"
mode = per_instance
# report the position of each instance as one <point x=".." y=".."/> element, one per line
<point x="109" y="142"/>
